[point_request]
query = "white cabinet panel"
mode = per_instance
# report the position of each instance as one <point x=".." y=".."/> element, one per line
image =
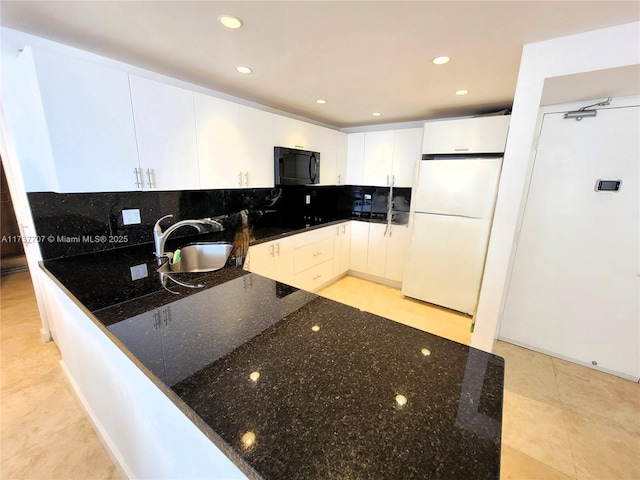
<point x="398" y="243"/>
<point x="166" y="133"/>
<point x="377" y="249"/>
<point x="328" y="148"/>
<point x="359" y="246"/>
<point x="342" y="249"/>
<point x="255" y="147"/>
<point x="89" y="123"/>
<point x="292" y="133"/>
<point x="355" y="159"/>
<point x="218" y="138"/>
<point x="467" y="135"/>
<point x="378" y="157"/>
<point x="341" y="162"/>
<point x="407" y="152"/>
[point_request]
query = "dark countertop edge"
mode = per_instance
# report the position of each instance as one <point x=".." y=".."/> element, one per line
<point x="225" y="448"/>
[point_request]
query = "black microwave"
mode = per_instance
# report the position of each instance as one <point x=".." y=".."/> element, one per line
<point x="296" y="167"/>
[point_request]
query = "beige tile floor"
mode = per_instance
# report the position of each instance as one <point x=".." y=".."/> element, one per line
<point x="561" y="421"/>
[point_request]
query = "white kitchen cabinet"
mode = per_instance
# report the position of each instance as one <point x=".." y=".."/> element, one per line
<point x="342" y="249"/>
<point x="407" y="152"/>
<point x="341" y="159"/>
<point x="359" y="246"/>
<point x="81" y="136"/>
<point x="383" y="158"/>
<point x="273" y="260"/>
<point x="377" y="249"/>
<point x="255" y="148"/>
<point x="397" y="245"/>
<point x="288" y="132"/>
<point x="166" y="134"/>
<point x="378" y="158"/>
<point x="328" y="147"/>
<point x="217" y="137"/>
<point x="355" y="158"/>
<point x="467" y="135"/>
<point x="235" y="144"/>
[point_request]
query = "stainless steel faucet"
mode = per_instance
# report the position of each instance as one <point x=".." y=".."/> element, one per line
<point x="160" y="237"/>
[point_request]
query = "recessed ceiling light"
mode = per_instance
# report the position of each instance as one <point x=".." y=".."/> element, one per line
<point x="320" y="101"/>
<point x="376" y="114"/>
<point x="244" y="70"/>
<point x="441" y="60"/>
<point x="230" y="21"/>
<point x="461" y="92"/>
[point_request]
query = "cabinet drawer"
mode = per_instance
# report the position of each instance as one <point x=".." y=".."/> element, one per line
<point x="313" y="254"/>
<point x="313" y="236"/>
<point x="315" y="277"/>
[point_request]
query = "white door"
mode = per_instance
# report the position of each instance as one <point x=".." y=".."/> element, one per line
<point x="574" y="290"/>
<point x="446" y="260"/>
<point x="458" y="187"/>
<point x="407" y="148"/>
<point x="378" y="158"/>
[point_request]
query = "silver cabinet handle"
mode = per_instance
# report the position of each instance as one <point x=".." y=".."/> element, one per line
<point x="460" y="149"/>
<point x="317" y="277"/>
<point x="278" y="249"/>
<point x="344" y="229"/>
<point x="317" y="254"/>
<point x="298" y="146"/>
<point x="150" y="177"/>
<point x="393" y="180"/>
<point x="138" y="173"/>
<point x="239" y="179"/>
<point x="156" y="320"/>
<point x="167" y="315"/>
<point x="387" y="179"/>
<point x="337" y="231"/>
<point x="272" y="251"/>
<point x="339" y="179"/>
<point x="246" y="179"/>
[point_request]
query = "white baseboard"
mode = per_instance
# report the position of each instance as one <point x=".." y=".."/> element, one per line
<point x="104" y="438"/>
<point x="376" y="279"/>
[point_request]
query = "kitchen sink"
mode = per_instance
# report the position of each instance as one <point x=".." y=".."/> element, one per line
<point x="197" y="257"/>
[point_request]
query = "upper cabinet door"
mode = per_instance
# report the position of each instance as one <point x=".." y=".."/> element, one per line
<point x="407" y="149"/>
<point x="255" y="147"/>
<point x="467" y="135"/>
<point x="292" y="133"/>
<point x="355" y="159"/>
<point x="341" y="165"/>
<point x="218" y="141"/>
<point x="327" y="142"/>
<point x="165" y="128"/>
<point x="378" y="158"/>
<point x="88" y="118"/>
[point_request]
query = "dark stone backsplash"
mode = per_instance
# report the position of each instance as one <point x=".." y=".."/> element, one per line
<point x="75" y="223"/>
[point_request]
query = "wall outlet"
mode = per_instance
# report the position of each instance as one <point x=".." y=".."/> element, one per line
<point x="139" y="271"/>
<point x="131" y="216"/>
<point x="307" y="199"/>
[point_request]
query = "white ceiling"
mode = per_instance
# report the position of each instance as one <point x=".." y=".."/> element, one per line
<point x="360" y="56"/>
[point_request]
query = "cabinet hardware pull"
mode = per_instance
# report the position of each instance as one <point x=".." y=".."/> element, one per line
<point x="298" y="146"/>
<point x="339" y="179"/>
<point x="317" y="253"/>
<point x="246" y="179"/>
<point x="138" y="173"/>
<point x="344" y="229"/>
<point x="272" y="251"/>
<point x="460" y="149"/>
<point x="150" y="175"/>
<point x="317" y="277"/>
<point x="278" y="249"/>
<point x="240" y="179"/>
<point x="393" y="180"/>
<point x="337" y="231"/>
<point x="167" y="315"/>
<point x="388" y="180"/>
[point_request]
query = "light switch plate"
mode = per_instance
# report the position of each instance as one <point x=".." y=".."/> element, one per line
<point x="139" y="271"/>
<point x="131" y="216"/>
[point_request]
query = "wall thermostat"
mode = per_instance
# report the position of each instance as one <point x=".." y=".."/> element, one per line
<point x="608" y="185"/>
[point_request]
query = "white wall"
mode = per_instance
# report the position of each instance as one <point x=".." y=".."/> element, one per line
<point x="597" y="50"/>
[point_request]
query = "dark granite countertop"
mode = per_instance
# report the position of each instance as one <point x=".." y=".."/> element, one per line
<point x="314" y="384"/>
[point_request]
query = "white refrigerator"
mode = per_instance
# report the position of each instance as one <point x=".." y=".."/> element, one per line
<point x="453" y="207"/>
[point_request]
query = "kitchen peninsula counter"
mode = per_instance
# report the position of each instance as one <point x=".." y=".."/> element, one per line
<point x="292" y="385"/>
